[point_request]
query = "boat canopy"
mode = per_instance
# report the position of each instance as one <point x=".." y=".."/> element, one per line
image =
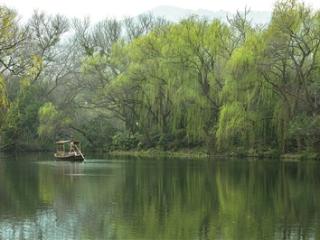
<point x="67" y="141"/>
<point x="63" y="141"/>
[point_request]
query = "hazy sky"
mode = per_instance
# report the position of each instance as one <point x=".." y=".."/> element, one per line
<point x="99" y="9"/>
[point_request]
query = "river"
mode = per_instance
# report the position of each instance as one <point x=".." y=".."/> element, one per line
<point x="141" y="198"/>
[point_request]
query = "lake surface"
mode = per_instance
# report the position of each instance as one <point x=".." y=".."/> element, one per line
<point x="123" y="198"/>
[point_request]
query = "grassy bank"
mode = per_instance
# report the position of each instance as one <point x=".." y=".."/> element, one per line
<point x="195" y="153"/>
<point x="184" y="153"/>
<point x="202" y="153"/>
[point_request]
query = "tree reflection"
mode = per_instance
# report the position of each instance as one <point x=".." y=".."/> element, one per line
<point x="159" y="199"/>
<point x="220" y="200"/>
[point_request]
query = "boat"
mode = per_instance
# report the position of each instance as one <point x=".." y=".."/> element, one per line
<point x="68" y="150"/>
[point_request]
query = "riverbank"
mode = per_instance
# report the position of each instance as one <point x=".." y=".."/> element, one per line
<point x="202" y="153"/>
<point x="195" y="153"/>
<point x="184" y="153"/>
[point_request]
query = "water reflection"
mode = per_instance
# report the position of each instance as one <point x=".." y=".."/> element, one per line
<point x="158" y="199"/>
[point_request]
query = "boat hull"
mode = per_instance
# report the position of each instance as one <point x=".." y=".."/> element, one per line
<point x="69" y="157"/>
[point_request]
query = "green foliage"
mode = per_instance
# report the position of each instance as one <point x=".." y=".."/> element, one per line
<point x="21" y="120"/>
<point x="304" y="131"/>
<point x="124" y="140"/>
<point x="99" y="133"/>
<point x="3" y="94"/>
<point x="230" y="87"/>
<point x="3" y="100"/>
<point x="234" y="125"/>
<point x="49" y="118"/>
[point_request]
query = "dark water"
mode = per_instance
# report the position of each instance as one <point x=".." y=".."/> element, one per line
<point x="158" y="199"/>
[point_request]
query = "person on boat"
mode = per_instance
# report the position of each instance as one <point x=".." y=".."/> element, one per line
<point x="72" y="148"/>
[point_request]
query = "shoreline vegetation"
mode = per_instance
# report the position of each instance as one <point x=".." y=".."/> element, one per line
<point x="146" y="83"/>
<point x="197" y="154"/>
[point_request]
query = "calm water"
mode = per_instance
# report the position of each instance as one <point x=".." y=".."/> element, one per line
<point x="158" y="199"/>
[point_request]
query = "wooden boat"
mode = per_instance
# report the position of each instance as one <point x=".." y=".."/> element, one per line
<point x="68" y="150"/>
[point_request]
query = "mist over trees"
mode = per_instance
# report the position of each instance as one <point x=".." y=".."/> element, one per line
<point x="144" y="82"/>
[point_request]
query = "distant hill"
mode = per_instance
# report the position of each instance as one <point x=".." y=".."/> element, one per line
<point x="175" y="14"/>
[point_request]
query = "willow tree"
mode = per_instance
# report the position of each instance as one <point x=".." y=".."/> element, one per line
<point x="11" y="38"/>
<point x="196" y="55"/>
<point x="148" y="73"/>
<point x="3" y="100"/>
<point x="248" y="104"/>
<point x="290" y="67"/>
<point x="27" y="58"/>
<point x="271" y="94"/>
